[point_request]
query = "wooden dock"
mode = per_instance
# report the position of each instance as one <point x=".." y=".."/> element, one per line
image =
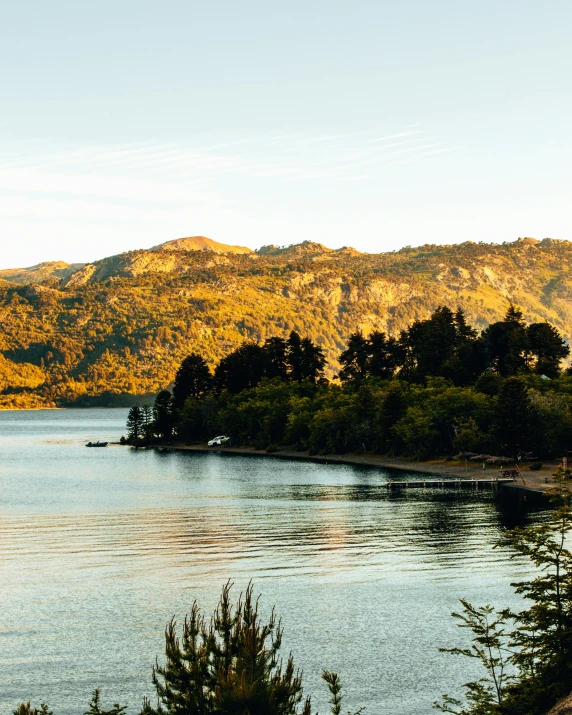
<point x="448" y="483"/>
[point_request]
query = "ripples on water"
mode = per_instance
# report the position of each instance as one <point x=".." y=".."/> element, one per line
<point x="99" y="548"/>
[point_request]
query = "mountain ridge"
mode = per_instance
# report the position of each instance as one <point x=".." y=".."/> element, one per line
<point x="121" y="325"/>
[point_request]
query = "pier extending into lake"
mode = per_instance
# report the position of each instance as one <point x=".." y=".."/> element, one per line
<point x="449" y="483"/>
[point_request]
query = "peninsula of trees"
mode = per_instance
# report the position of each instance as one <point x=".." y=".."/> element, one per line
<point x="440" y="388"/>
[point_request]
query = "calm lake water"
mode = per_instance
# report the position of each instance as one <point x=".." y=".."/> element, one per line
<point x="100" y="547"/>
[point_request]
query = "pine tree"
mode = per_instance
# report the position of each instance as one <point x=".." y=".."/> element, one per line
<point x="275" y="364"/>
<point x="513" y="417"/>
<point x="28" y="709"/>
<point x="163" y="415"/>
<point x="193" y="379"/>
<point x="96" y="709"/>
<point x="134" y="424"/>
<point x="147" y="425"/>
<point x="241" y="369"/>
<point x="506" y="344"/>
<point x="386" y="355"/>
<point x="355" y="359"/>
<point x="313" y="361"/>
<point x="295" y="357"/>
<point x="230" y="666"/>
<point x="545" y="342"/>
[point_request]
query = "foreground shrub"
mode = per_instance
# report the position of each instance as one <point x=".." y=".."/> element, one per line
<point x="526" y="654"/>
<point x="227" y="665"/>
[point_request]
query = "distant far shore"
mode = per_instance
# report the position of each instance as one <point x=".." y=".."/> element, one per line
<point x="30" y="409"/>
<point x="539" y="481"/>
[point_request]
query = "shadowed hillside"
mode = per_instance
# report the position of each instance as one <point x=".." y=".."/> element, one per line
<point x="123" y="324"/>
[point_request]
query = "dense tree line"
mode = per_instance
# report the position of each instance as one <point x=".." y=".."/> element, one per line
<point x="446" y="346"/>
<point x="439" y="389"/>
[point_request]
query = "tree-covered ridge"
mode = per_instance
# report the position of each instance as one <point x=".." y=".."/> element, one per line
<point x="121" y="326"/>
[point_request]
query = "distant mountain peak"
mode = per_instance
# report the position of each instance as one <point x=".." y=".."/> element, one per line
<point x="199" y="243"/>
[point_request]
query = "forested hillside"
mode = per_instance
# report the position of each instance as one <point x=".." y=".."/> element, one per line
<point x="121" y="326"/>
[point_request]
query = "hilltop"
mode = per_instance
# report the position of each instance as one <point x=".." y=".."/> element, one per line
<point x="121" y="325"/>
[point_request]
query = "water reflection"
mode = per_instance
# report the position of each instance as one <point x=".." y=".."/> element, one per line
<point x="99" y="550"/>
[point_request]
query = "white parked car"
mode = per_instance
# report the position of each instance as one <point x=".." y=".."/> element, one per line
<point x="219" y="441"/>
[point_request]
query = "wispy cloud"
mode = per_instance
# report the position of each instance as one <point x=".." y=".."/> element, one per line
<point x="38" y="178"/>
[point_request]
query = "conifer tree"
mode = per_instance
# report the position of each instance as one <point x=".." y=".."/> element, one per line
<point x="513" y="417"/>
<point x="163" y="415"/>
<point x="193" y="379"/>
<point x="313" y="361"/>
<point x="386" y="355"/>
<point x="229" y="666"/>
<point x="147" y="423"/>
<point x="294" y="356"/>
<point x="545" y="342"/>
<point x="506" y="344"/>
<point x="28" y="709"/>
<point x="134" y="424"/>
<point x="275" y="364"/>
<point x="355" y="359"/>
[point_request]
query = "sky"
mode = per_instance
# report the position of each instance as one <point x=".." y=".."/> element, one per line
<point x="368" y="124"/>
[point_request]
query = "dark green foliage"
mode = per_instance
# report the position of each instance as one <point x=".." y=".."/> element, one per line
<point x="506" y="344"/>
<point x="96" y="709"/>
<point x="514" y="419"/>
<point x="163" y="420"/>
<point x="489" y="383"/>
<point x="148" y="424"/>
<point x="336" y="695"/>
<point x="423" y="395"/>
<point x="241" y="369"/>
<point x="305" y="360"/>
<point x="355" y="360"/>
<point x="542" y="637"/>
<point x="193" y="379"/>
<point x="135" y="424"/>
<point x="546" y="343"/>
<point x="230" y="665"/>
<point x="489" y="646"/>
<point x="430" y="344"/>
<point x="296" y="359"/>
<point x="386" y="354"/>
<point x="534" y="644"/>
<point x="27" y="709"/>
<point x="275" y="358"/>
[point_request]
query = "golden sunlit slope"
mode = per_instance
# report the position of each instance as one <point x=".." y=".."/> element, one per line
<point x="199" y="243"/>
<point x="41" y="272"/>
<point x="123" y="324"/>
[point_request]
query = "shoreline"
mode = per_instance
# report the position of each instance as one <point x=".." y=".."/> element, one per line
<point x="534" y="482"/>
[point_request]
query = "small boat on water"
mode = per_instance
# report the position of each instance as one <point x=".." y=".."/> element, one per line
<point x="97" y="444"/>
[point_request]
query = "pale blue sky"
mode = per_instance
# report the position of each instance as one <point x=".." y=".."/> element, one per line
<point x="373" y="124"/>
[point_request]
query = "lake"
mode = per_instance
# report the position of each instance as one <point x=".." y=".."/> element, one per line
<point x="100" y="547"/>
